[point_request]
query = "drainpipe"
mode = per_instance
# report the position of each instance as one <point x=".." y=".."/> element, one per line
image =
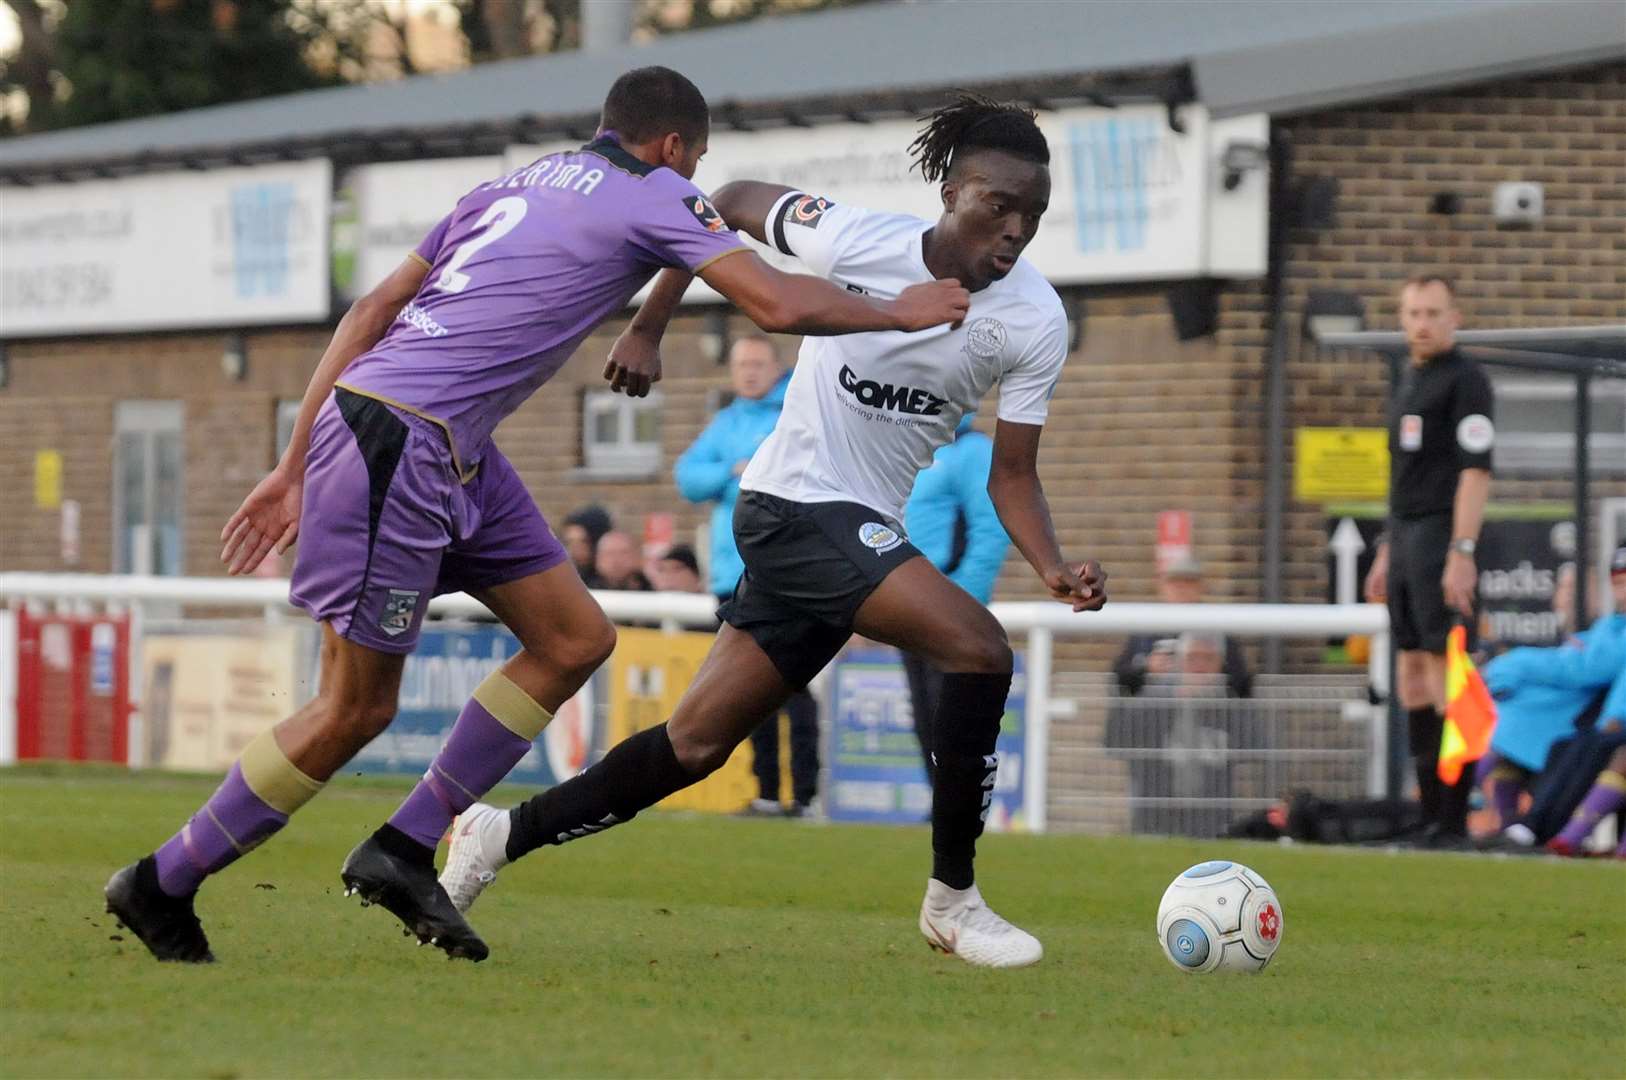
<point x="1281" y="210"/>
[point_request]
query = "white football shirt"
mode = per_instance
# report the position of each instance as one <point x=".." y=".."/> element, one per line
<point x="865" y="412"/>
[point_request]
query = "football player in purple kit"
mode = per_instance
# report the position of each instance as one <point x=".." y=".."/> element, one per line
<point x="397" y="492"/>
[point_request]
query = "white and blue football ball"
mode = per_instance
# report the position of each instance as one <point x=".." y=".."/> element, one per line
<point x="1219" y="916"/>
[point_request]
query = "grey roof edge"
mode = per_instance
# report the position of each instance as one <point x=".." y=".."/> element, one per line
<point x="1382" y="92"/>
<point x="1166" y="85"/>
<point x="1442" y="53"/>
<point x="1244" y="56"/>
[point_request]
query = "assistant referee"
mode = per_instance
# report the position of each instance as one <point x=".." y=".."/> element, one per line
<point x="1440" y="438"/>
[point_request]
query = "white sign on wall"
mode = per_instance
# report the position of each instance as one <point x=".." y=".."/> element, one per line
<point x="1131" y="199"/>
<point x="382" y="212"/>
<point x="228" y="247"/>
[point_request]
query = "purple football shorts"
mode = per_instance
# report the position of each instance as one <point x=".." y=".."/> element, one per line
<point x="386" y="524"/>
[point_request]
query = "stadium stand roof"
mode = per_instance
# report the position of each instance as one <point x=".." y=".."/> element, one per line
<point x="1577" y="350"/>
<point x="1235" y="56"/>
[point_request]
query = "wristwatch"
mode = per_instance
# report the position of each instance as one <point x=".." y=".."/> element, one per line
<point x="1463" y="546"/>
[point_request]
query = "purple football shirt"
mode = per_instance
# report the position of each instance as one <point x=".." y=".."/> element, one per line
<point x="521" y="271"/>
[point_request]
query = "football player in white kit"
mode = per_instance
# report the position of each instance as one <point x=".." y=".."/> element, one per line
<point x="819" y="520"/>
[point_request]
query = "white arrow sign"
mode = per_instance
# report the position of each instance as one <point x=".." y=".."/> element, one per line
<point x="1347" y="545"/>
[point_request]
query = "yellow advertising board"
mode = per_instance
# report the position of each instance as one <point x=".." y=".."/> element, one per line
<point x="206" y="695"/>
<point x="47" y="479"/>
<point x="649" y="672"/>
<point x="1340" y="464"/>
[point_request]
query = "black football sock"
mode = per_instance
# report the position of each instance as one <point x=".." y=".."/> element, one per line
<point x="635" y="775"/>
<point x="1424" y="728"/>
<point x="1454" y="803"/>
<point x="968" y="714"/>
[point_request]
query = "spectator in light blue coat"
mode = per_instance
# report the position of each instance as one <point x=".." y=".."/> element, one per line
<point x="709" y="471"/>
<point x="1540" y="696"/>
<point x="1541" y="693"/>
<point x="952" y="520"/>
<point x="1614" y="706"/>
<point x="950" y="517"/>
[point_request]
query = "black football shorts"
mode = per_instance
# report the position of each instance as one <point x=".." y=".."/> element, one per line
<point x="808" y="569"/>
<point x="1418" y="617"/>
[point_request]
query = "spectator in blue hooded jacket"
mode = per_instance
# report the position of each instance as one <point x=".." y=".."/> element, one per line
<point x="709" y="471"/>
<point x="952" y="520"/>
<point x="1541" y="692"/>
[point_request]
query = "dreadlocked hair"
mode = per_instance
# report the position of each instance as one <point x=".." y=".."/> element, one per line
<point x="972" y="121"/>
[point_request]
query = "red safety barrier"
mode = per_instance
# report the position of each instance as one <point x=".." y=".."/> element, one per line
<point x="73" y="687"/>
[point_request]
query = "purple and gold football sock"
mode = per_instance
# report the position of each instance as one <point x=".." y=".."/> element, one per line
<point x="1506" y="781"/>
<point x="1607" y="795"/>
<point x="493" y="732"/>
<point x="256" y="799"/>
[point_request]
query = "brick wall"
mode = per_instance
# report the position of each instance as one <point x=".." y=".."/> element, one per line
<point x="62" y="396"/>
<point x="1566" y="131"/>
<point x="1140" y="423"/>
<point x="1131" y="400"/>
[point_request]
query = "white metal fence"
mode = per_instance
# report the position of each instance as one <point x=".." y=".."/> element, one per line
<point x="1184" y="758"/>
<point x="1175" y="761"/>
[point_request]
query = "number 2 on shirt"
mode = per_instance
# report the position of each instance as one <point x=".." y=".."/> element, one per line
<point x="501" y="217"/>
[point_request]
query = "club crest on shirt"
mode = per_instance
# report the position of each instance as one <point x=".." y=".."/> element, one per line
<point x="701" y="208"/>
<point x="874" y="535"/>
<point x="1411" y="432"/>
<point x="985" y="338"/>
<point x="807" y="210"/>
<point x="398" y="609"/>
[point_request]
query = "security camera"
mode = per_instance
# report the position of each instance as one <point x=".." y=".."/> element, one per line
<point x="1517" y="203"/>
<point x="1241" y="158"/>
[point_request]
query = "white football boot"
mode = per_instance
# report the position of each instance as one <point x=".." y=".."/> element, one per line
<point x="479" y="848"/>
<point x="957" y="921"/>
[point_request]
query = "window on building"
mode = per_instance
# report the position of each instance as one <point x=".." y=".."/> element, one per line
<point x="148" y="487"/>
<point x="1535" y="424"/>
<point x="287" y="413"/>
<point x="621" y="436"/>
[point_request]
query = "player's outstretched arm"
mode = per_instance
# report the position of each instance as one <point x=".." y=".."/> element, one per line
<point x="800" y="304"/>
<point x="269" y="517"/>
<point x="782" y="303"/>
<point x="1013" y="484"/>
<point x="634" y="363"/>
<point x="745" y="204"/>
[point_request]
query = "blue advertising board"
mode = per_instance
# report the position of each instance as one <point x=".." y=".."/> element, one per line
<point x="876" y="773"/>
<point x="440" y="675"/>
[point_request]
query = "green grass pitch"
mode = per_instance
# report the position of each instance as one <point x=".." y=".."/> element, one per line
<point x="691" y="946"/>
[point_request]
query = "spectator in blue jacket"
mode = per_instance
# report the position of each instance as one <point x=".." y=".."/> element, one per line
<point x="951" y="519"/>
<point x="1607" y="793"/>
<point x="1541" y="692"/>
<point x="709" y="471"/>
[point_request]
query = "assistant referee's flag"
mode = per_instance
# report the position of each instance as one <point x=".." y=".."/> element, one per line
<point x="1470" y="713"/>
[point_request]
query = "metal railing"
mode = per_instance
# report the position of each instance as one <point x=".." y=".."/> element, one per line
<point x="1037" y="622"/>
<point x="1184" y="758"/>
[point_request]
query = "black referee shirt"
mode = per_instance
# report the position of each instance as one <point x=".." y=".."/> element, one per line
<point x="1440" y="422"/>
